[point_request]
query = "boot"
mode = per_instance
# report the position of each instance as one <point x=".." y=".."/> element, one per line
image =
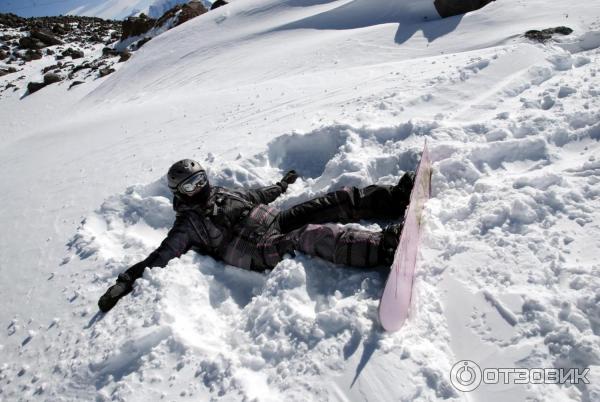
<point x="401" y="191"/>
<point x="389" y="242"/>
<point x="123" y="287"/>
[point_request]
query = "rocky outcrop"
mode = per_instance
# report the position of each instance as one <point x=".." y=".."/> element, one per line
<point x="189" y="11"/>
<point x="136" y="26"/>
<point x="11" y="20"/>
<point x="45" y="37"/>
<point x="218" y="4"/>
<point x="450" y="8"/>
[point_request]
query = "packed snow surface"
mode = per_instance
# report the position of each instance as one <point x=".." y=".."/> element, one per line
<point x="346" y="92"/>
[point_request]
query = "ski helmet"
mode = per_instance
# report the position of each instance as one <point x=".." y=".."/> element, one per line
<point x="182" y="171"/>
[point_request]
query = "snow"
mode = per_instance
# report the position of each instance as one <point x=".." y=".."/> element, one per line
<point x="508" y="273"/>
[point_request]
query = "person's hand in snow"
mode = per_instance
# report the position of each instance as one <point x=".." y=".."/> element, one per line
<point x="289" y="178"/>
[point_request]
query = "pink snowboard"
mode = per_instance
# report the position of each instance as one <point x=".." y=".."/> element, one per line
<point x="395" y="302"/>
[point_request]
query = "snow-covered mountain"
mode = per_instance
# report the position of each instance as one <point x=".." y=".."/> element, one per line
<point x="108" y="9"/>
<point x="346" y="92"/>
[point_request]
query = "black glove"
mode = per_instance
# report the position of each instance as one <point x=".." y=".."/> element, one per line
<point x="123" y="287"/>
<point x="289" y="178"/>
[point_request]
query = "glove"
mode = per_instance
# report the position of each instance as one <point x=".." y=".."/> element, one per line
<point x="289" y="178"/>
<point x="122" y="288"/>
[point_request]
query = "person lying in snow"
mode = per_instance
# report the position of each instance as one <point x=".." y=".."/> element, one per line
<point x="239" y="228"/>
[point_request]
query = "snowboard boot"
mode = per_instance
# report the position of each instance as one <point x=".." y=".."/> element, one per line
<point x="123" y="287"/>
<point x="401" y="191"/>
<point x="389" y="242"/>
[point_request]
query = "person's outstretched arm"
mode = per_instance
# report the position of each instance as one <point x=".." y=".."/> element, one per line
<point x="268" y="194"/>
<point x="177" y="242"/>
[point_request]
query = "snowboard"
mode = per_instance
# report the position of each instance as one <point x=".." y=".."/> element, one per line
<point x="394" y="305"/>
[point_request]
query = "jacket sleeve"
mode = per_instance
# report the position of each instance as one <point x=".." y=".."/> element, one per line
<point x="264" y="195"/>
<point x="177" y="242"/>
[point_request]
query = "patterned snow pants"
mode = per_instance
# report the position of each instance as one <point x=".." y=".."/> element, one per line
<point x="311" y="227"/>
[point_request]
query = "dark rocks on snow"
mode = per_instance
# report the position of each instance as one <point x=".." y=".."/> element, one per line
<point x="5" y="71"/>
<point x="109" y="52"/>
<point x="450" y="8"/>
<point x="35" y="86"/>
<point x="218" y="4"/>
<point x="51" y="78"/>
<point x="50" y="68"/>
<point x="46" y="38"/>
<point x="11" y="20"/>
<point x="73" y="53"/>
<point x="124" y="56"/>
<point x="74" y="83"/>
<point x="27" y="42"/>
<point x="142" y="42"/>
<point x="3" y="55"/>
<point x="31" y="55"/>
<point x="134" y="26"/>
<point x="103" y="72"/>
<point x="182" y="13"/>
<point x="546" y="34"/>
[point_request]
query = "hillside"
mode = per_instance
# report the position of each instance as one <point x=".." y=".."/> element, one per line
<point x="346" y="92"/>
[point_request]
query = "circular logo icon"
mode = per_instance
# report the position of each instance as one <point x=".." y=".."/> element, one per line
<point x="465" y="375"/>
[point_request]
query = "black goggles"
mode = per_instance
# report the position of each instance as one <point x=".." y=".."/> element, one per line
<point x="192" y="184"/>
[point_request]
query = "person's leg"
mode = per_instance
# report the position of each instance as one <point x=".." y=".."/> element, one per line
<point x="350" y="204"/>
<point x="340" y="245"/>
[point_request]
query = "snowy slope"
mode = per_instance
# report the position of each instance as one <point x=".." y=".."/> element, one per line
<point x="108" y="9"/>
<point x="346" y="92"/>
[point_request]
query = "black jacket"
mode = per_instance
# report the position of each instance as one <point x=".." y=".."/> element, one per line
<point x="229" y="226"/>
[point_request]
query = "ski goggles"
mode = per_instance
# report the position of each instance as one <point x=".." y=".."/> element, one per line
<point x="192" y="184"/>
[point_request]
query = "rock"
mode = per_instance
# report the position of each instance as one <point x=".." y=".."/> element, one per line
<point x="134" y="26"/>
<point x="59" y="29"/>
<point x="35" y="86"/>
<point x="52" y="67"/>
<point x="546" y="34"/>
<point x="46" y="37"/>
<point x="105" y="71"/>
<point x="3" y="55"/>
<point x="124" y="56"/>
<point x="182" y="13"/>
<point x="27" y="42"/>
<point x="31" y="55"/>
<point x="49" y="52"/>
<point x="51" y="78"/>
<point x="218" y="4"/>
<point x="450" y="8"/>
<point x="74" y="83"/>
<point x="142" y="42"/>
<point x="109" y="52"/>
<point x="189" y="11"/>
<point x="12" y="20"/>
<point x="73" y="53"/>
<point x="5" y="71"/>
